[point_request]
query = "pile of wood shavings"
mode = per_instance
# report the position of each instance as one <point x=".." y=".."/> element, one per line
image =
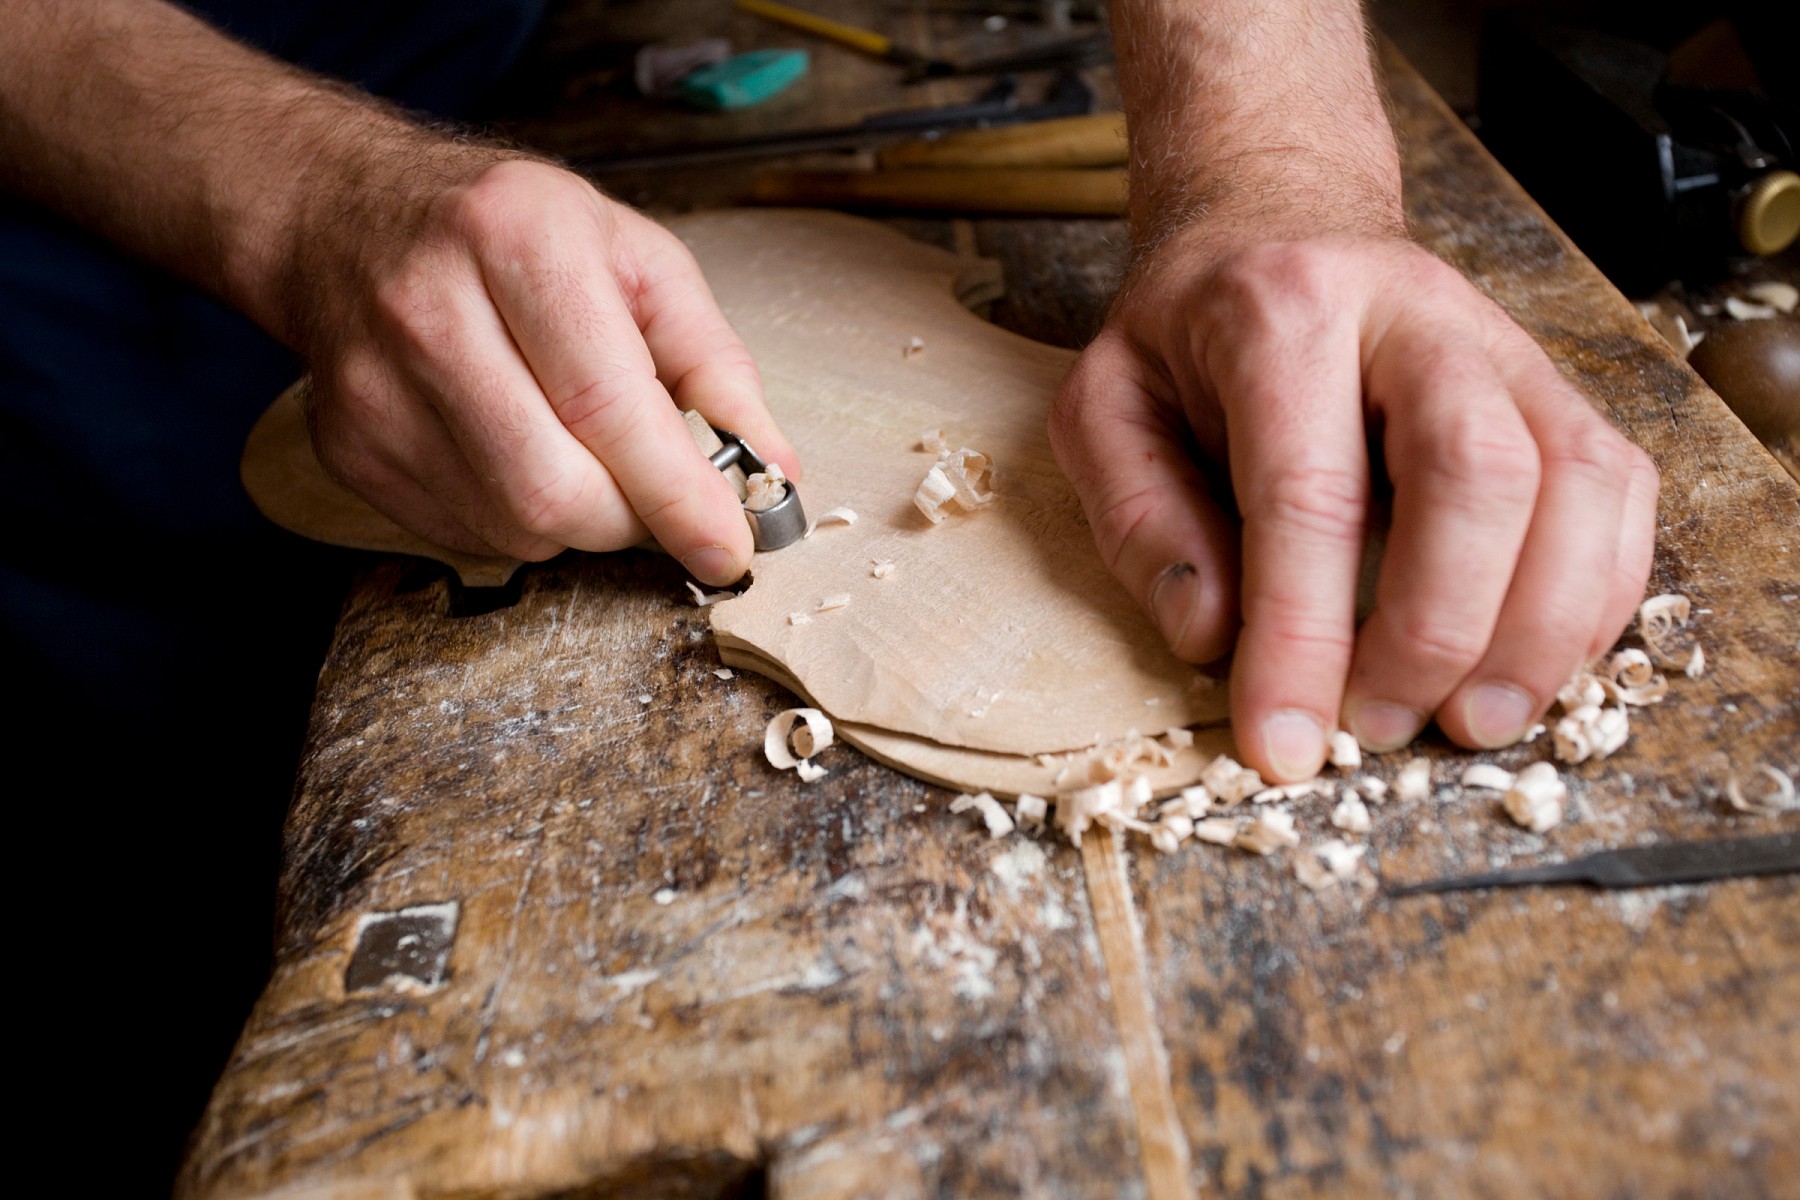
<point x="1108" y="785"/>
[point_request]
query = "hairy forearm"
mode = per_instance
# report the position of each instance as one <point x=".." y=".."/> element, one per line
<point x="1252" y="110"/>
<point x="152" y="129"/>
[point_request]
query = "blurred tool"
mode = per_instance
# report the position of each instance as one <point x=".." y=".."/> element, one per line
<point x="1096" y="140"/>
<point x="1653" y="180"/>
<point x="1084" y="51"/>
<point x="657" y="68"/>
<point x="865" y="40"/>
<point x="1071" y="192"/>
<point x="999" y="105"/>
<point x="1642" y="866"/>
<point x="1755" y="368"/>
<point x="743" y="81"/>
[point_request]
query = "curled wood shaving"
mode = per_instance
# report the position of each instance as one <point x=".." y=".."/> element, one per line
<point x="1536" y="797"/>
<point x="1782" y="297"/>
<point x="1414" y="780"/>
<point x="1660" y="616"/>
<point x="843" y="514"/>
<point x="1777" y="797"/>
<point x="1696" y="664"/>
<point x="1746" y="310"/>
<point x="1487" y="775"/>
<point x="999" y="824"/>
<point x="833" y="603"/>
<point x="934" y="491"/>
<point x="1031" y="810"/>
<point x="1270" y="830"/>
<point x="1351" y="814"/>
<point x="881" y="568"/>
<point x="765" y="489"/>
<point x="784" y="745"/>
<point x="971" y="474"/>
<point x="1329" y="863"/>
<point x="1346" y="755"/>
<point x="932" y="441"/>
<point x="1229" y="782"/>
<point x="1583" y="690"/>
<point x="1077" y="810"/>
<point x="1590" y="732"/>
<point x="809" y="772"/>
<point x="1631" y="679"/>
<point x="1220" y="831"/>
<point x="702" y="599"/>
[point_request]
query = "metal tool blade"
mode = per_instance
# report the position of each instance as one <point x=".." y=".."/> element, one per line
<point x="1641" y="866"/>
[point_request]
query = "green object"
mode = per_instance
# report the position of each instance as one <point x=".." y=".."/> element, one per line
<point x="744" y="80"/>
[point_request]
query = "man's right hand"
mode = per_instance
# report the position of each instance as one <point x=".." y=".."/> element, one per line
<point x="499" y="358"/>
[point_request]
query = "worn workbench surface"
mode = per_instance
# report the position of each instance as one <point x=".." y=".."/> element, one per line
<point x="677" y="973"/>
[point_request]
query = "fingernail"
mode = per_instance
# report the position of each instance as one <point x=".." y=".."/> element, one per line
<point x="1380" y="726"/>
<point x="1172" y="601"/>
<point x="712" y="564"/>
<point x="1294" y="742"/>
<point x="1498" y="714"/>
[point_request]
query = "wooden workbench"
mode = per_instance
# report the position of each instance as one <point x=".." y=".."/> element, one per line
<point x="674" y="972"/>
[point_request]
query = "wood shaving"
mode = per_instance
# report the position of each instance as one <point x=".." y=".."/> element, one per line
<point x="932" y="441"/>
<point x="935" y="491"/>
<point x="1270" y="830"/>
<point x="1371" y="789"/>
<point x="1536" y="797"/>
<point x="1229" y="782"/>
<point x="843" y="514"/>
<point x="1582" y="691"/>
<point x="809" y="772"/>
<point x="1782" y="297"/>
<point x="999" y="824"/>
<point x="1178" y="738"/>
<point x="724" y="673"/>
<point x="1291" y="791"/>
<point x="702" y="598"/>
<point x="881" y="568"/>
<point x="1346" y="755"/>
<point x="833" y="603"/>
<point x="1031" y="810"/>
<point x="971" y="473"/>
<point x="1220" y="831"/>
<point x="1590" y="732"/>
<point x="765" y="489"/>
<point x="784" y="745"/>
<point x="1631" y="679"/>
<point x="1076" y="810"/>
<point x="1777" y="797"/>
<point x="799" y="618"/>
<point x="914" y="346"/>
<point x="1328" y="864"/>
<point x="1487" y="775"/>
<point x="1696" y="664"/>
<point x="1746" y="310"/>
<point x="1351" y="814"/>
<point x="1414" y="781"/>
<point x="1196" y="801"/>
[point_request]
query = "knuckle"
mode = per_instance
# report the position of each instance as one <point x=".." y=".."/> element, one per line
<point x="1280" y="278"/>
<point x="1320" y="500"/>
<point x="548" y="506"/>
<point x="1472" y="449"/>
<point x="1591" y="448"/>
<point x="1425" y="637"/>
<point x="599" y="415"/>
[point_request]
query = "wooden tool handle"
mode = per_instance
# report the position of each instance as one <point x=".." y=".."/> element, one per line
<point x="866" y="40"/>
<point x="1091" y="141"/>
<point x="1062" y="192"/>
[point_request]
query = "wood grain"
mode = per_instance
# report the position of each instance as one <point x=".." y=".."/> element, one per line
<point x="809" y="1014"/>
